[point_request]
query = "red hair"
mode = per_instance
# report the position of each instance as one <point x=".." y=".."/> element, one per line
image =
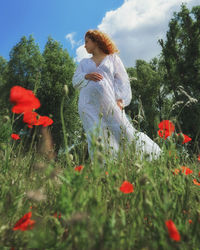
<point x="103" y="41"/>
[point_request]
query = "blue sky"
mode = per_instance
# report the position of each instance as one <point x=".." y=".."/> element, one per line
<point x="42" y="18"/>
<point x="135" y="26"/>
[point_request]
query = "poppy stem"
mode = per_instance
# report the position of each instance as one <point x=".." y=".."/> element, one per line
<point x="64" y="129"/>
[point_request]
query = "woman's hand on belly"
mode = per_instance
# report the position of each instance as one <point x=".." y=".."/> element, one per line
<point x="94" y="76"/>
<point x="120" y="103"/>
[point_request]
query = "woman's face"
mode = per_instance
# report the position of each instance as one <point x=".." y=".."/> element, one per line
<point x="90" y="45"/>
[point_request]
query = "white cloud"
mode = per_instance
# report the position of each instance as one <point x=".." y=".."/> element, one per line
<point x="136" y="26"/>
<point x="81" y="53"/>
<point x="70" y="37"/>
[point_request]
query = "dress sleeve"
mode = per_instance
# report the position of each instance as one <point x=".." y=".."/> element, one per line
<point x="78" y="80"/>
<point x="121" y="82"/>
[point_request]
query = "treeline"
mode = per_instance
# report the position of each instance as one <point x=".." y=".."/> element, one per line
<point x="167" y="87"/>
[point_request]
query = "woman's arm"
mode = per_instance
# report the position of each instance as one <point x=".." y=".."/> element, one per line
<point x="79" y="80"/>
<point x="123" y="93"/>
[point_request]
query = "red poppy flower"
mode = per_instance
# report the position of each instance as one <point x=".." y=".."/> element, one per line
<point x="172" y="230"/>
<point x="126" y="187"/>
<point x="199" y="158"/>
<point x="176" y="171"/>
<point x="24" y="100"/>
<point x="15" y="136"/>
<point x="32" y="118"/>
<point x="166" y="125"/>
<point x="106" y="172"/>
<point x="78" y="168"/>
<point x="163" y="133"/>
<point x="45" y="121"/>
<point x="186" y="170"/>
<point x="196" y="182"/>
<point x="166" y="128"/>
<point x="190" y="221"/>
<point x="186" y="139"/>
<point x="56" y="215"/>
<point x="25" y="223"/>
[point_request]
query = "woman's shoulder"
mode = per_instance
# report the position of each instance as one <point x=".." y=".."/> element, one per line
<point x="114" y="57"/>
<point x="85" y="60"/>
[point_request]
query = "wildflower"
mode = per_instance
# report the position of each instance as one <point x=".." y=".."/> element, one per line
<point x="78" y="168"/>
<point x="15" y="136"/>
<point x="24" y="100"/>
<point x="56" y="215"/>
<point x="186" y="170"/>
<point x="172" y="230"/>
<point x="163" y="133"/>
<point x="166" y="125"/>
<point x="186" y="139"/>
<point x="176" y="171"/>
<point x="45" y="121"/>
<point x="199" y="158"/>
<point x="126" y="187"/>
<point x="166" y="128"/>
<point x="25" y="223"/>
<point x="196" y="182"/>
<point x="32" y="118"/>
<point x="106" y="172"/>
<point x="190" y="221"/>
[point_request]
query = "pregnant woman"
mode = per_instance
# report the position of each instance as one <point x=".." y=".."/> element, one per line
<point x="104" y="92"/>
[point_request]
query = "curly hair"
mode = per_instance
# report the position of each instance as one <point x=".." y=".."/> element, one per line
<point x="103" y="41"/>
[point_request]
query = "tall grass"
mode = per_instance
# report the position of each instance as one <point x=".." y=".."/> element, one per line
<point x="95" y="214"/>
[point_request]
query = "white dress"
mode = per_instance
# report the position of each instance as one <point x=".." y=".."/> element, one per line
<point x="97" y="106"/>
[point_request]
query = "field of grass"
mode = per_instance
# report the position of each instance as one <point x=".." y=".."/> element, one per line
<point x="86" y="209"/>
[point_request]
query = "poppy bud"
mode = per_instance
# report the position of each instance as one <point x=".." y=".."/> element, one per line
<point x="71" y="157"/>
<point x="100" y="115"/>
<point x="101" y="148"/>
<point x="3" y="146"/>
<point x="180" y="138"/>
<point x="138" y="167"/>
<point x="176" y="136"/>
<point x="144" y="180"/>
<point x="66" y="90"/>
<point x="99" y="139"/>
<point x="99" y="157"/>
<point x="6" y="118"/>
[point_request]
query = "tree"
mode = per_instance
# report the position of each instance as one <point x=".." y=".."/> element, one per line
<point x="145" y="84"/>
<point x="25" y="64"/>
<point x="181" y="54"/>
<point x="3" y="70"/>
<point x="57" y="71"/>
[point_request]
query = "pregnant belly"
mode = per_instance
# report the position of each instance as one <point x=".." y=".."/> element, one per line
<point x="96" y="97"/>
<point x="90" y="94"/>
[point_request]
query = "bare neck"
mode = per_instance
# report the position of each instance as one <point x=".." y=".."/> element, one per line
<point x="98" y="54"/>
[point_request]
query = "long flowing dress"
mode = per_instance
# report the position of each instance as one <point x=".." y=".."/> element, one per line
<point x="98" y="107"/>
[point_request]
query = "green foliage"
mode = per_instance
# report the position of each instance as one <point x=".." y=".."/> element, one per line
<point x="3" y="82"/>
<point x="25" y="64"/>
<point x="181" y="57"/>
<point x="57" y="71"/>
<point x="94" y="213"/>
<point x="45" y="74"/>
<point x="146" y="84"/>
